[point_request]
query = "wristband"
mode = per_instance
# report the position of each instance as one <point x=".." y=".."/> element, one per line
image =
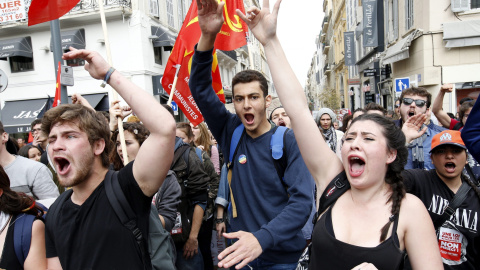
<point x="219" y="220"/>
<point x="107" y="77"/>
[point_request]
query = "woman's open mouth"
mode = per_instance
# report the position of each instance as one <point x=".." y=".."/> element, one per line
<point x="356" y="165"/>
<point x="450" y="167"/>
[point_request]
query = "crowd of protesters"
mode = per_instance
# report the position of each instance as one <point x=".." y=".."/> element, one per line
<point x="381" y="189"/>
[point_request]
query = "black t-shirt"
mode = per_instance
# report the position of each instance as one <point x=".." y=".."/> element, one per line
<point x="458" y="238"/>
<point x="91" y="236"/>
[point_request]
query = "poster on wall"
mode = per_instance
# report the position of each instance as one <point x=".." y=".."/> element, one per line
<point x="12" y="10"/>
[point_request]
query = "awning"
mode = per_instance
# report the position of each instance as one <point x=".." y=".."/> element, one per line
<point x="16" y="47"/>
<point x="399" y="50"/>
<point x="461" y="34"/>
<point x="163" y="37"/>
<point x="74" y="38"/>
<point x="18" y="115"/>
<point x="98" y="101"/>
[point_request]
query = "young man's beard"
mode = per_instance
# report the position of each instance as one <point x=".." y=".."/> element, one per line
<point x="82" y="173"/>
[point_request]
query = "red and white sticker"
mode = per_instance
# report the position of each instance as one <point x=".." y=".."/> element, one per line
<point x="452" y="245"/>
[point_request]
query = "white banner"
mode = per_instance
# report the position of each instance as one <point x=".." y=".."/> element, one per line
<point x="12" y="10"/>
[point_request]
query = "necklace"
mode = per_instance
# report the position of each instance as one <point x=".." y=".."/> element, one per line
<point x="5" y="226"/>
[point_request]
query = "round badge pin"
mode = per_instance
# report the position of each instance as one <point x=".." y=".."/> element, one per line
<point x="242" y="159"/>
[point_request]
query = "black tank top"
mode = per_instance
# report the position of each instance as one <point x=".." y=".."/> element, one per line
<point x="329" y="253"/>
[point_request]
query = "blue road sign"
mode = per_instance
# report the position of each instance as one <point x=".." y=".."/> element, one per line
<point x="174" y="106"/>
<point x="401" y="84"/>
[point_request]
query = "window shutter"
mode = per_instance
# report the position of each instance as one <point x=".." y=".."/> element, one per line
<point x="460" y="5"/>
<point x="395" y="19"/>
<point x="154" y="8"/>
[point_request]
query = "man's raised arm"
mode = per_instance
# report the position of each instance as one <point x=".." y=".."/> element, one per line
<point x="155" y="156"/>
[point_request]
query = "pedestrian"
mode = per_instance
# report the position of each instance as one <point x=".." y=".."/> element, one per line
<point x="442" y="116"/>
<point x="360" y="230"/>
<point x="333" y="137"/>
<point x="413" y="101"/>
<point x="280" y="117"/>
<point x="87" y="234"/>
<point x="267" y="212"/>
<point x="27" y="176"/>
<point x="16" y="208"/>
<point x="439" y="187"/>
<point x="373" y="107"/>
<point x="30" y="152"/>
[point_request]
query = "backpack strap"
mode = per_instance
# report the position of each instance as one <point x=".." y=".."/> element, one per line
<point x="278" y="151"/>
<point x="332" y="192"/>
<point x="198" y="151"/>
<point x="454" y="203"/>
<point x="237" y="135"/>
<point x="124" y="211"/>
<point x="22" y="236"/>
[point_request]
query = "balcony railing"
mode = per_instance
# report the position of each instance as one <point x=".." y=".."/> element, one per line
<point x="82" y="7"/>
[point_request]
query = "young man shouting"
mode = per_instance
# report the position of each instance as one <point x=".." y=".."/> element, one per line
<point x="269" y="212"/>
<point x="87" y="234"/>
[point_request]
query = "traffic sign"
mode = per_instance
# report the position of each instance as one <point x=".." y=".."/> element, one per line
<point x="401" y="84"/>
<point x="174" y="108"/>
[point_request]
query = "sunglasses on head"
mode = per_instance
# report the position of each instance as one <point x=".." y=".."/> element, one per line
<point x="419" y="102"/>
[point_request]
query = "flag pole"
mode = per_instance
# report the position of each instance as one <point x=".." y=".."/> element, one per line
<point x="249" y="44"/>
<point x="115" y="94"/>
<point x="170" y="97"/>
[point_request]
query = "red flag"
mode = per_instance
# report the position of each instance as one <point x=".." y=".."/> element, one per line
<point x="231" y="36"/>
<point x="48" y="10"/>
<point x="56" y="100"/>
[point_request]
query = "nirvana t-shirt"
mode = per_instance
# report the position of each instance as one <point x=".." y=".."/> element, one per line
<point x="91" y="236"/>
<point x="458" y="237"/>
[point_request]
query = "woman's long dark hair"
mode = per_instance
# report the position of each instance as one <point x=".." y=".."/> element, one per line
<point x="139" y="131"/>
<point x="24" y="150"/>
<point x="14" y="203"/>
<point x="395" y="141"/>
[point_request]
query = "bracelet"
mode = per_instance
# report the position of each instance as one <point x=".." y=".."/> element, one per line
<point x="219" y="220"/>
<point x="107" y="77"/>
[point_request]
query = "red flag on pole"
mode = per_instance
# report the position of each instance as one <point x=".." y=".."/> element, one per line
<point x="232" y="36"/>
<point x="41" y="11"/>
<point x="56" y="100"/>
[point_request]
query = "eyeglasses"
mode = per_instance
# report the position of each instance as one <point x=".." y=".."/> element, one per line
<point x="419" y="102"/>
<point x="396" y="105"/>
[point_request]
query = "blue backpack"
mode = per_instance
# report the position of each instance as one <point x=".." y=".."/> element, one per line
<point x="22" y="236"/>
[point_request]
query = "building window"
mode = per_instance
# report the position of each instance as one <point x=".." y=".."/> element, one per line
<point x="408" y="14"/>
<point x="181" y="17"/>
<point x="391" y="19"/>
<point x="171" y="21"/>
<point x="74" y="62"/>
<point x="475" y="4"/>
<point x="20" y="64"/>
<point x="154" y="8"/>
<point x="157" y="51"/>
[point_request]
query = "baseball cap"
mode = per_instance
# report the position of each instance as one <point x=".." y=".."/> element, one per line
<point x="450" y="137"/>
